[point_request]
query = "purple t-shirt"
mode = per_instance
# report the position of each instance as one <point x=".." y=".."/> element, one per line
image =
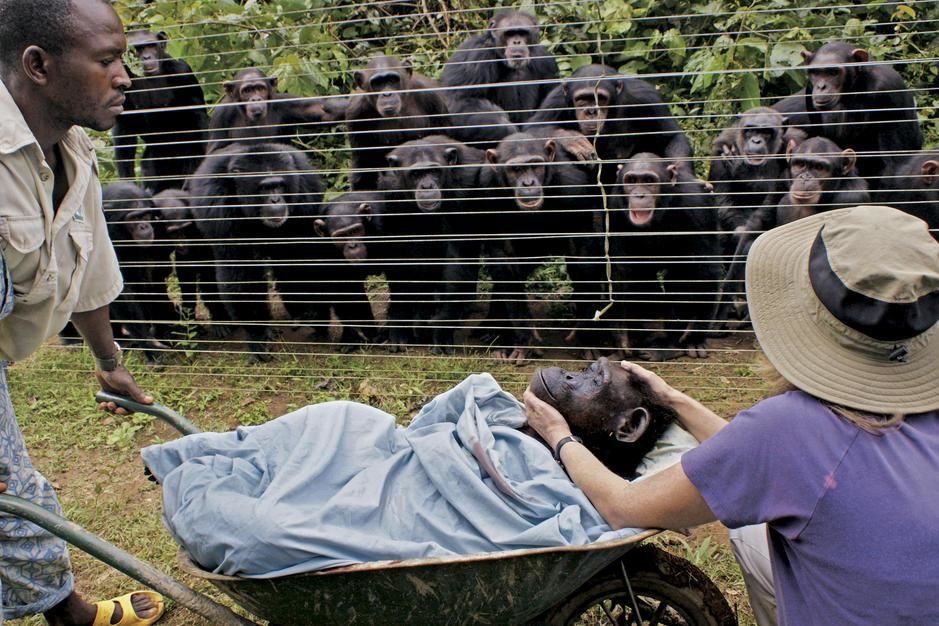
<point x="853" y="516"/>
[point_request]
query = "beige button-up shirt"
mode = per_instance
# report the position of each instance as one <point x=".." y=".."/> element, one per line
<point x="60" y="261"/>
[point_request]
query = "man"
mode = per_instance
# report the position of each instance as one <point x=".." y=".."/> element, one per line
<point x="60" y="68"/>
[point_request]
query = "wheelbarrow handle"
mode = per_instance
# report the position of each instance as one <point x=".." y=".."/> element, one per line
<point x="165" y="413"/>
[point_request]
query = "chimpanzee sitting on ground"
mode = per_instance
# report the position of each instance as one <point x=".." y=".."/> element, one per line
<point x="617" y="416"/>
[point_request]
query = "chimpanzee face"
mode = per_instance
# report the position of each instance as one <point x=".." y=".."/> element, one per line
<point x="254" y="91"/>
<point x="591" y="106"/>
<point x="512" y="33"/>
<point x="522" y="164"/>
<point x="261" y="194"/>
<point x="150" y="50"/>
<point x="757" y="144"/>
<point x="345" y="224"/>
<point x="421" y="166"/>
<point x="173" y="210"/>
<point x="385" y="80"/>
<point x="139" y="227"/>
<point x="641" y="185"/>
<point x="600" y="400"/>
<point x="830" y="80"/>
<point x="812" y="168"/>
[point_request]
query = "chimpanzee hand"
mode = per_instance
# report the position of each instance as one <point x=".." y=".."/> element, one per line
<point x="545" y="419"/>
<point x="122" y="382"/>
<point x="577" y="144"/>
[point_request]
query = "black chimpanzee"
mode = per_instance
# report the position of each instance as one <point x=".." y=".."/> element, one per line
<point x="423" y="183"/>
<point x="395" y="105"/>
<point x="254" y="111"/>
<point x="165" y="108"/>
<point x="497" y="79"/>
<point x="194" y="262"/>
<point x="914" y="187"/>
<point x="143" y="310"/>
<point x="748" y="167"/>
<point x="667" y="259"/>
<point x="256" y="204"/>
<point x="617" y="415"/>
<point x="867" y="108"/>
<point x="546" y="206"/>
<point x="348" y="223"/>
<point x="624" y="115"/>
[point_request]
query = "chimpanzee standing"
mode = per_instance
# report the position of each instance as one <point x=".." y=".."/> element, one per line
<point x="667" y="259"/>
<point x="253" y="111"/>
<point x="348" y="223"/>
<point x="867" y="108"/>
<point x="498" y="79"/>
<point x="395" y="105"/>
<point x="165" y="108"/>
<point x="623" y="115"/>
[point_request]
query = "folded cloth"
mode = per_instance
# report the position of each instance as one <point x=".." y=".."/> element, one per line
<point x="339" y="483"/>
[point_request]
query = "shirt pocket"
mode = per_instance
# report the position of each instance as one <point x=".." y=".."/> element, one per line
<point x="82" y="239"/>
<point x="21" y="237"/>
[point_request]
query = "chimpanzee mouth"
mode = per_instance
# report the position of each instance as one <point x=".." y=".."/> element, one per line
<point x="428" y="205"/>
<point x="534" y="203"/>
<point x="804" y="198"/>
<point x="641" y="217"/>
<point x="825" y="102"/>
<point x="275" y="221"/>
<point x="544" y="385"/>
<point x="755" y="159"/>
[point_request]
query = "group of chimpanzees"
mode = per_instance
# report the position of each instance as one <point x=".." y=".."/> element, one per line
<point x="500" y="165"/>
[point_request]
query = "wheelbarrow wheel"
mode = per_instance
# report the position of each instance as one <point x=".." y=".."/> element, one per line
<point x="668" y="591"/>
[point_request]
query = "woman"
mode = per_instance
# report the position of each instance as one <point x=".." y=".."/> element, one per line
<point x="844" y="468"/>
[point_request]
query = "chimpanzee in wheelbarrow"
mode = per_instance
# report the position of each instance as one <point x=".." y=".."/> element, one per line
<point x="616" y="580"/>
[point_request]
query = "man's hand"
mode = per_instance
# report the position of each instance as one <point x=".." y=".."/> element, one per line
<point x="122" y="382"/>
<point x="545" y="419"/>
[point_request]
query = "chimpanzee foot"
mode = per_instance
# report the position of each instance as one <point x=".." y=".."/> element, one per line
<point x="657" y="354"/>
<point x="442" y="350"/>
<point x="696" y="351"/>
<point x="259" y="355"/>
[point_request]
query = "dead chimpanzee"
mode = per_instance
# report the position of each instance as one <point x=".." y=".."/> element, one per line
<point x="143" y="311"/>
<point x="395" y="105"/>
<point x="667" y="263"/>
<point x="913" y="186"/>
<point x="165" y="108"/>
<point x="254" y="111"/>
<point x="498" y="78"/>
<point x="867" y="108"/>
<point x="256" y="204"/>
<point x="548" y="207"/>
<point x="625" y="115"/>
<point x="194" y="262"/>
<point x="347" y="223"/>
<point x="618" y="416"/>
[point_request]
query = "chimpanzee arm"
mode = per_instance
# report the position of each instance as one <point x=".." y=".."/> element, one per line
<point x="124" y="137"/>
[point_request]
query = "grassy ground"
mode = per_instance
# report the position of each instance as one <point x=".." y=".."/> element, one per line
<point x="92" y="458"/>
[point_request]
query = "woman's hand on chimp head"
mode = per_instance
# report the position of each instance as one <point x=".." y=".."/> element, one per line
<point x="545" y="419"/>
<point x="657" y="385"/>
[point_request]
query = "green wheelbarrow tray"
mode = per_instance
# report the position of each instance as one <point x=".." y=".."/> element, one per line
<point x="510" y="587"/>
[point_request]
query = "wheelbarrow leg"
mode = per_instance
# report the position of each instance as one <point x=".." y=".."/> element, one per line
<point x="122" y="561"/>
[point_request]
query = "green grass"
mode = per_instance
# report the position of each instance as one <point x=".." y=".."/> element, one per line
<point x="92" y="458"/>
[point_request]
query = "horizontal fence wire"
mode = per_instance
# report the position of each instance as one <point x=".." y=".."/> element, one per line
<point x="325" y="226"/>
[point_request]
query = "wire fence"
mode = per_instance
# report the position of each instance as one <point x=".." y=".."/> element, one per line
<point x="559" y="180"/>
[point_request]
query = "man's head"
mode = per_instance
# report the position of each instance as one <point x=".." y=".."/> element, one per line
<point x="68" y="55"/>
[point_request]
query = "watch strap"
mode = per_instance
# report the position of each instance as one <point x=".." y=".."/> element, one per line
<point x="109" y="364"/>
<point x="563" y="442"/>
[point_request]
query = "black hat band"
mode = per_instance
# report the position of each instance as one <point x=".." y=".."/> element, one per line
<point x="883" y="321"/>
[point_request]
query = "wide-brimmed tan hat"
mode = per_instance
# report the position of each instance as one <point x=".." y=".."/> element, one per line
<point x="845" y="305"/>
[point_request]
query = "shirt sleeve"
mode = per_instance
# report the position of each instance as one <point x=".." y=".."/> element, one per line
<point x="772" y="463"/>
<point x="102" y="282"/>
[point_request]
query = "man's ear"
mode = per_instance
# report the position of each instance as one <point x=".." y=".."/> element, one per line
<point x="34" y="62"/>
<point x="629" y="427"/>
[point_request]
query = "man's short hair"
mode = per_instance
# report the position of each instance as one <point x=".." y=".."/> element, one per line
<point x="24" y="23"/>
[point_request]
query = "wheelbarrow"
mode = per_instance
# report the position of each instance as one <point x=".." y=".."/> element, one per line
<point x="621" y="581"/>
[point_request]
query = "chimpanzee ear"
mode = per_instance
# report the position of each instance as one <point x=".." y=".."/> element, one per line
<point x="790" y="148"/>
<point x="550" y="150"/>
<point x="807" y="56"/>
<point x="406" y="66"/>
<point x="453" y="155"/>
<point x="620" y="167"/>
<point x="360" y="79"/>
<point x="618" y="85"/>
<point x="272" y="83"/>
<point x="393" y="161"/>
<point x="365" y="210"/>
<point x="492" y="24"/>
<point x="229" y="88"/>
<point x="850" y="158"/>
<point x="930" y="172"/>
<point x="631" y="426"/>
<point x="492" y="157"/>
<point x="673" y="170"/>
<point x="859" y="55"/>
<point x="162" y="38"/>
<point x="320" y="227"/>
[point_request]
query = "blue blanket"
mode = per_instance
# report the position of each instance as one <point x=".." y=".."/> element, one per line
<point x="338" y="483"/>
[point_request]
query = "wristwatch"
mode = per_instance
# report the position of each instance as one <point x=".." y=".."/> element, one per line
<point x="564" y="441"/>
<point x="109" y="364"/>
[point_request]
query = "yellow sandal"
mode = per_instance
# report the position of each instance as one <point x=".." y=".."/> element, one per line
<point x="129" y="618"/>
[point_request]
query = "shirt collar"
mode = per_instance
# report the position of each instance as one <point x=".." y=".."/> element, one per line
<point x="15" y="133"/>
